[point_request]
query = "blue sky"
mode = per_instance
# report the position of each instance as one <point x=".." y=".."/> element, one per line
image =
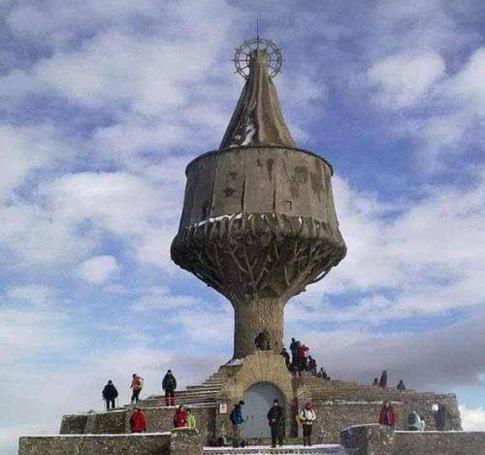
<point x="102" y="104"/>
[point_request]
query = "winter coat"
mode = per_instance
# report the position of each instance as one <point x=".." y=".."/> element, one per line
<point x="138" y="422"/>
<point x="180" y="418"/>
<point x="302" y="351"/>
<point x="110" y="392"/>
<point x="169" y="382"/>
<point x="307" y="416"/>
<point x="401" y="386"/>
<point x="276" y="416"/>
<point x="236" y="415"/>
<point x="286" y="356"/>
<point x="415" y="422"/>
<point x="137" y="383"/>
<point x="383" y="380"/>
<point x="191" y="421"/>
<point x="388" y="417"/>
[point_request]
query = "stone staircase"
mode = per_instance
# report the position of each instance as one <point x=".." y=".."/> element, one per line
<point x="204" y="394"/>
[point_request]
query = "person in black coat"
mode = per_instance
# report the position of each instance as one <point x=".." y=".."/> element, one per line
<point x="169" y="384"/>
<point x="276" y="420"/>
<point x="383" y="380"/>
<point x="110" y="394"/>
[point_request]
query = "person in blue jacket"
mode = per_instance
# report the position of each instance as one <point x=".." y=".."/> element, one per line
<point x="237" y="420"/>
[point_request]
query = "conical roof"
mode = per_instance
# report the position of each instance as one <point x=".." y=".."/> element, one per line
<point x="257" y="119"/>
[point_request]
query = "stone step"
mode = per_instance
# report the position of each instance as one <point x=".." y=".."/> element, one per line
<point x="321" y="449"/>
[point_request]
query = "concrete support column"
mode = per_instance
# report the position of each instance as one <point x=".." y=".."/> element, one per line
<point x="251" y="318"/>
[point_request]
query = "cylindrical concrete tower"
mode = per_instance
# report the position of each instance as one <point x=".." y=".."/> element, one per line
<point x="259" y="222"/>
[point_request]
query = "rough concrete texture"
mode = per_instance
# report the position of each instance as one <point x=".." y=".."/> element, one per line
<point x="258" y="225"/>
<point x="185" y="442"/>
<point x="141" y="444"/>
<point x="448" y="443"/>
<point x="257" y="118"/>
<point x="379" y="440"/>
<point x="368" y="440"/>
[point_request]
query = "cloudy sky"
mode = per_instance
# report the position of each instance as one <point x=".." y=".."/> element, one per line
<point x="103" y="103"/>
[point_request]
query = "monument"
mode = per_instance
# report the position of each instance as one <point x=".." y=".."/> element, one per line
<point x="259" y="222"/>
<point x="259" y="225"/>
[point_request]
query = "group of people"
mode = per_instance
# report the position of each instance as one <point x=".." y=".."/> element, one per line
<point x="183" y="418"/>
<point x="276" y="417"/>
<point x="169" y="385"/>
<point x="301" y="360"/>
<point x="388" y="417"/>
<point x="382" y="382"/>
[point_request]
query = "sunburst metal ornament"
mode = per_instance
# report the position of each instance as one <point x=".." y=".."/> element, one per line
<point x="242" y="57"/>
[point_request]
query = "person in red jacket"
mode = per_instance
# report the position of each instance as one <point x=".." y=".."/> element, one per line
<point x="388" y="415"/>
<point x="180" y="417"/>
<point x="138" y="423"/>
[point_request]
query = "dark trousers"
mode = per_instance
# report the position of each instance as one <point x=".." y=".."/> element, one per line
<point x="276" y="435"/>
<point x="307" y="435"/>
<point x="135" y="395"/>
<point x="170" y="397"/>
<point x="110" y="403"/>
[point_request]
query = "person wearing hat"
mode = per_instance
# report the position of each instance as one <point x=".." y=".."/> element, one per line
<point x="109" y="395"/>
<point x="307" y="416"/>
<point x="276" y="421"/>
<point x="169" y="384"/>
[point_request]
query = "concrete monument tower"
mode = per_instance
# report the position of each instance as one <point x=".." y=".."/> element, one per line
<point x="259" y="222"/>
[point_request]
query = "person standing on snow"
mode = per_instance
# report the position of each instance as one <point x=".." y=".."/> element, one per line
<point x="109" y="395"/>
<point x="307" y="416"/>
<point x="169" y="384"/>
<point x="237" y="421"/>
<point x="276" y="421"/>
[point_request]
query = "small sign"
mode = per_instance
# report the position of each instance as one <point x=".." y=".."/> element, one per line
<point x="222" y="408"/>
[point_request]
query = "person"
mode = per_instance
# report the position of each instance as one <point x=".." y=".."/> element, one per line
<point x="307" y="416"/>
<point x="137" y="421"/>
<point x="286" y="356"/>
<point x="376" y="382"/>
<point x="301" y="358"/>
<point x="387" y="415"/>
<point x="136" y="387"/>
<point x="294" y="351"/>
<point x="322" y="374"/>
<point x="237" y="420"/>
<point x="109" y="395"/>
<point x="383" y="380"/>
<point x="169" y="384"/>
<point x="258" y="341"/>
<point x="415" y="422"/>
<point x="276" y="420"/>
<point x="401" y="385"/>
<point x="266" y="340"/>
<point x="180" y="417"/>
<point x="191" y="423"/>
<point x="312" y="365"/>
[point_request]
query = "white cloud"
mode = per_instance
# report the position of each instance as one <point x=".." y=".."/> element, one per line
<point x="406" y="79"/>
<point x="32" y="293"/>
<point x="473" y="419"/>
<point x="98" y="269"/>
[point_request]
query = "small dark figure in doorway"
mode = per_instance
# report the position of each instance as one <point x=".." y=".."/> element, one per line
<point x="276" y="420"/>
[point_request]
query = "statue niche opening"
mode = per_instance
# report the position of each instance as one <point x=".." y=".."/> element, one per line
<point x="259" y="398"/>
